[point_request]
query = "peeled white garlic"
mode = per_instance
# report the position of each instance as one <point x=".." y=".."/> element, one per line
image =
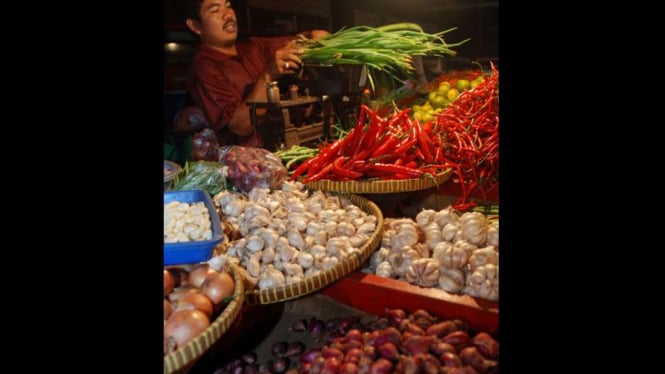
<point x="493" y="234"/>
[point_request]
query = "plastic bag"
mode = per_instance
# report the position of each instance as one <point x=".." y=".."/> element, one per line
<point x="204" y="175"/>
<point x="250" y="167"/>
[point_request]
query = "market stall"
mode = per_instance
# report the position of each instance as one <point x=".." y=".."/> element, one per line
<point x="374" y="250"/>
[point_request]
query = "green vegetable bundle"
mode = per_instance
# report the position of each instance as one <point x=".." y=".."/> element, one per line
<point x="387" y="48"/>
<point x="204" y="175"/>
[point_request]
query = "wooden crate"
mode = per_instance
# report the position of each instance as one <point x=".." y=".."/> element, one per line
<point x="373" y="294"/>
<point x="302" y="134"/>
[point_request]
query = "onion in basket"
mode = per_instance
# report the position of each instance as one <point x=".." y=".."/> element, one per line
<point x="183" y="326"/>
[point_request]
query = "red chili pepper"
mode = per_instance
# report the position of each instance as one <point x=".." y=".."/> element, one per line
<point x="322" y="173"/>
<point x="387" y="145"/>
<point x="341" y="171"/>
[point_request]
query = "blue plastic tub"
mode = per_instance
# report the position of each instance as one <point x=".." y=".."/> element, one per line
<point x="198" y="251"/>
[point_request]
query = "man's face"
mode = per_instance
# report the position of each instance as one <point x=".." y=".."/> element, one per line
<point x="218" y="26"/>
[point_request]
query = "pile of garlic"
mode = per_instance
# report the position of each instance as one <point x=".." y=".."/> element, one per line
<point x="289" y="234"/>
<point x="457" y="253"/>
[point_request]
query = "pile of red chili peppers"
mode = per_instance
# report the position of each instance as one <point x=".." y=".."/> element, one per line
<point x="464" y="137"/>
<point x="470" y="126"/>
<point x="396" y="147"/>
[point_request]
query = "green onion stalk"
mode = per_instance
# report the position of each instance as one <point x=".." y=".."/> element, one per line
<point x="388" y="48"/>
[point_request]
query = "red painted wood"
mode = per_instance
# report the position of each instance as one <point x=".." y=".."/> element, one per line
<point x="373" y="294"/>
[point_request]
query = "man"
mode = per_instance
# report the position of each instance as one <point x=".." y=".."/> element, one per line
<point x="227" y="72"/>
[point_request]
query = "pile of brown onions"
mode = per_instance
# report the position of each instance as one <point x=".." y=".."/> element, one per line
<point x="192" y="299"/>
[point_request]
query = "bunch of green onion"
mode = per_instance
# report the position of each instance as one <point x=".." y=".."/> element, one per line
<point x="388" y="48"/>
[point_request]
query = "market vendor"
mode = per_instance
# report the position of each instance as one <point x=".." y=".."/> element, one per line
<point x="227" y="72"/>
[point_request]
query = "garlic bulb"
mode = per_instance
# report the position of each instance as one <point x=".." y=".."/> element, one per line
<point x="450" y="256"/>
<point x="425" y="217"/>
<point x="433" y="235"/>
<point x="385" y="270"/>
<point x="483" y="256"/>
<point x="446" y="216"/>
<point x="448" y="231"/>
<point x="451" y="280"/>
<point x="493" y="234"/>
<point x="423" y="272"/>
<point x="271" y="277"/>
<point x="474" y="226"/>
<point x="484" y="283"/>
<point x="401" y="260"/>
<point x="378" y="257"/>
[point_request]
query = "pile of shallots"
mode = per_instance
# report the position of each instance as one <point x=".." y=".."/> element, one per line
<point x="407" y="343"/>
<point x="457" y="253"/>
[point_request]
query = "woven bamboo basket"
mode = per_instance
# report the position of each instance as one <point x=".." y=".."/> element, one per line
<point x="182" y="359"/>
<point x="323" y="279"/>
<point x="380" y="186"/>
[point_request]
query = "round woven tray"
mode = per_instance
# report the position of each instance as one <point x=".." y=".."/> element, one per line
<point x="182" y="359"/>
<point x="380" y="186"/>
<point x="322" y="279"/>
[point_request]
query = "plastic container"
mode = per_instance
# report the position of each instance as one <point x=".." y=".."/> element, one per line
<point x="171" y="170"/>
<point x="197" y="251"/>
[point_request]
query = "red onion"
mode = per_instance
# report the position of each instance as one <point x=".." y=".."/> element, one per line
<point x="407" y="364"/>
<point x="389" y="334"/>
<point x="353" y="355"/>
<point x="381" y="366"/>
<point x="395" y="316"/>
<point x="389" y="351"/>
<point x="331" y="366"/>
<point x="461" y="324"/>
<point x="441" y="329"/>
<point x="471" y="356"/>
<point x="280" y="365"/>
<point x="316" y="327"/>
<point x="371" y="352"/>
<point x="422" y="313"/>
<point x="310" y="355"/>
<point x="294" y="349"/>
<point x="348" y="368"/>
<point x="450" y="359"/>
<point x="459" y="339"/>
<point x="439" y="348"/>
<point x="414" y="329"/>
<point x="351" y="344"/>
<point x="418" y="344"/>
<point x="354" y="334"/>
<point x="428" y="363"/>
<point x="328" y="352"/>
<point x="279" y="349"/>
<point x="462" y="370"/>
<point x="486" y="345"/>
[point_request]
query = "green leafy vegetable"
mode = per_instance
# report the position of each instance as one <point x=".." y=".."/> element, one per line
<point x="205" y="175"/>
